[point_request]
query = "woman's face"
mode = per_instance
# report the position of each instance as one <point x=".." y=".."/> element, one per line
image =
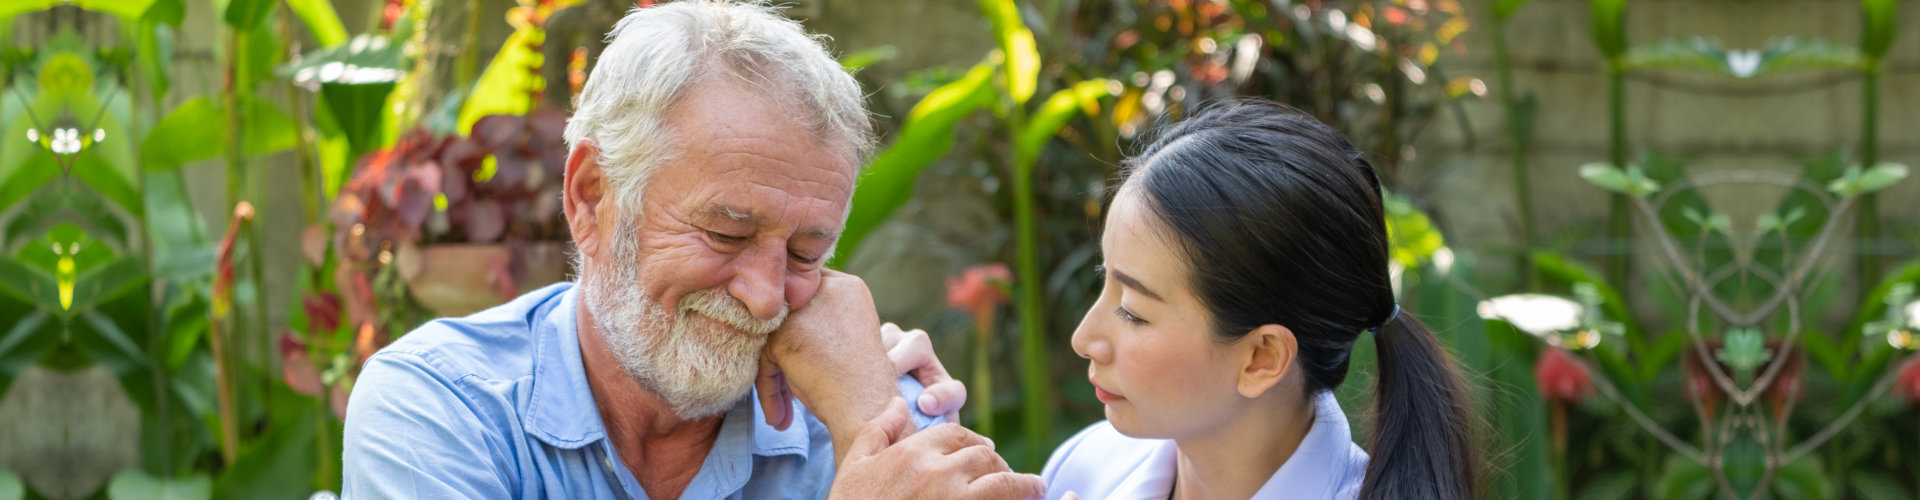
<point x="1156" y="362"/>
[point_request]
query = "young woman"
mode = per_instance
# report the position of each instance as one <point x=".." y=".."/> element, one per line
<point x="1245" y="251"/>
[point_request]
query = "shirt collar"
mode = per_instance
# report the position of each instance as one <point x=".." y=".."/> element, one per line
<point x="563" y="414"/>
<point x="1322" y="467"/>
<point x="1326" y="462"/>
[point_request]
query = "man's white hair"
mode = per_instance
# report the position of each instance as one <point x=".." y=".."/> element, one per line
<point x="656" y="55"/>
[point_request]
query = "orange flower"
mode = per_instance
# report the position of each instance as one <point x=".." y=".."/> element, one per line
<point x="1560" y="378"/>
<point x="979" y="289"/>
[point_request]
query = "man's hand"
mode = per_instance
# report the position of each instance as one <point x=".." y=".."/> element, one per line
<point x="827" y="355"/>
<point x="912" y="353"/>
<point x="944" y="461"/>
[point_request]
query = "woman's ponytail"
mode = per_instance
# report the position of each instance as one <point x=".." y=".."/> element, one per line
<point x="1422" y="444"/>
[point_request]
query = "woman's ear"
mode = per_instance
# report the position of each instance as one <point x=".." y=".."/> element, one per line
<point x="1271" y="351"/>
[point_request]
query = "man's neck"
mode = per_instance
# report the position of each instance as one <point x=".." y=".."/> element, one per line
<point x="663" y="452"/>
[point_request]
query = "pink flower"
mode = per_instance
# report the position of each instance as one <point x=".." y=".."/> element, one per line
<point x="1907" y="383"/>
<point x="1561" y="378"/>
<point x="979" y="289"/>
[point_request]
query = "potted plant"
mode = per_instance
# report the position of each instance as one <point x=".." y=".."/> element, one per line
<point x="453" y="224"/>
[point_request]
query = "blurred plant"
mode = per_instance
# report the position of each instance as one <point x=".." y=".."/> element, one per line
<point x="979" y="292"/>
<point x="500" y="185"/>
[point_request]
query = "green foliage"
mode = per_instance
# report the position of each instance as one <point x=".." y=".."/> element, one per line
<point x="135" y="484"/>
<point x="926" y="135"/>
<point x="1632" y="182"/>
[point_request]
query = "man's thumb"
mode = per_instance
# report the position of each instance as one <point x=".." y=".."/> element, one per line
<point x="882" y="431"/>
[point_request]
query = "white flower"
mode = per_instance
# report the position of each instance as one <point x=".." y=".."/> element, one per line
<point x="1535" y="314"/>
<point x="1743" y="63"/>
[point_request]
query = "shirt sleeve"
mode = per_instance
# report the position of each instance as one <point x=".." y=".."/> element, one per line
<point x="910" y="389"/>
<point x="410" y="434"/>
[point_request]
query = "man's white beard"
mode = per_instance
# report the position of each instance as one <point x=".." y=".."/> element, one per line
<point x="699" y="367"/>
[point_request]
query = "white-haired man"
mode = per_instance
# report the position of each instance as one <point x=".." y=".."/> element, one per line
<point x="714" y="153"/>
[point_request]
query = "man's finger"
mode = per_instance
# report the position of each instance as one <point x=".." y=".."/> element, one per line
<point x="881" y="432"/>
<point x="946" y="438"/>
<point x="1007" y="485"/>
<point x="978" y="461"/>
<point x="776" y="400"/>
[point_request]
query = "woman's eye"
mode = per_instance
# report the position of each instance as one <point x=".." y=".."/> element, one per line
<point x="1128" y="316"/>
<point x="797" y="257"/>
<point x="726" y="238"/>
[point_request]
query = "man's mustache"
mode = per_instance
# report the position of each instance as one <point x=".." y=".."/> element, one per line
<point x="716" y="303"/>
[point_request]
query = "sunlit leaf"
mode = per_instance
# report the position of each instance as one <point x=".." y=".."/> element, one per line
<point x="320" y="19"/>
<point x="1046" y="121"/>
<point x="1017" y="46"/>
<point x="923" y="138"/>
<point x="184" y="136"/>
<point x="510" y="82"/>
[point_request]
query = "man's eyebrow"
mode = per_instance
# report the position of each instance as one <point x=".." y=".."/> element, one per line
<point x="721" y="211"/>
<point x="726" y="212"/>
<point x="1129" y="282"/>
<point x="821" y="233"/>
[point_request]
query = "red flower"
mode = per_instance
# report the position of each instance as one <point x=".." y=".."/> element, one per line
<point x="1907" y="383"/>
<point x="979" y="288"/>
<point x="296" y="368"/>
<point x="323" y="311"/>
<point x="1561" y="378"/>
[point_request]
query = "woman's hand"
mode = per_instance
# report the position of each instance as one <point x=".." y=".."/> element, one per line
<point x="911" y="352"/>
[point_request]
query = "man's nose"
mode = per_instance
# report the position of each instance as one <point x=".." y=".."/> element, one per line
<point x="759" y="282"/>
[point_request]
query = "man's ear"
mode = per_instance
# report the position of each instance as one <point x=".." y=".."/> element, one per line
<point x="582" y="190"/>
<point x="1269" y="353"/>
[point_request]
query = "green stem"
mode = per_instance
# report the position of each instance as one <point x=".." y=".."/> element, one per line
<point x="1620" y="223"/>
<point x="1037" y="407"/>
<point x="1867" y="218"/>
<point x="982" y="373"/>
<point x="1517" y="140"/>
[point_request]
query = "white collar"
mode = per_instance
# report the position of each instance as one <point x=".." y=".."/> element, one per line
<point x="1326" y="465"/>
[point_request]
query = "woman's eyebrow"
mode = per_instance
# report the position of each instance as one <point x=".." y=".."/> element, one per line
<point x="1129" y="282"/>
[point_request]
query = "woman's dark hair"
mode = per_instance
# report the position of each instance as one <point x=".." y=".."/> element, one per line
<point x="1281" y="222"/>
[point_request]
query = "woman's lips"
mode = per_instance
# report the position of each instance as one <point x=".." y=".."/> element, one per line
<point x="1106" y="397"/>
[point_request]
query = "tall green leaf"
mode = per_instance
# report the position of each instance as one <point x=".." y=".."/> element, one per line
<point x="247" y="14"/>
<point x="924" y="137"/>
<point x="1609" y="27"/>
<point x="1017" y="46"/>
<point x="1879" y="17"/>
<point x="1045" y="122"/>
<point x="320" y="19"/>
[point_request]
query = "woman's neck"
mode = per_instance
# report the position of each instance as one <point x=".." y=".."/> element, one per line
<point x="1235" y="460"/>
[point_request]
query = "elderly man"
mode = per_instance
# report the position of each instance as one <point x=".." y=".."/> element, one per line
<point x="713" y="158"/>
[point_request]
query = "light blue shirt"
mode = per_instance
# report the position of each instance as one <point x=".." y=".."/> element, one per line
<point x="496" y="405"/>
<point x="1101" y="463"/>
